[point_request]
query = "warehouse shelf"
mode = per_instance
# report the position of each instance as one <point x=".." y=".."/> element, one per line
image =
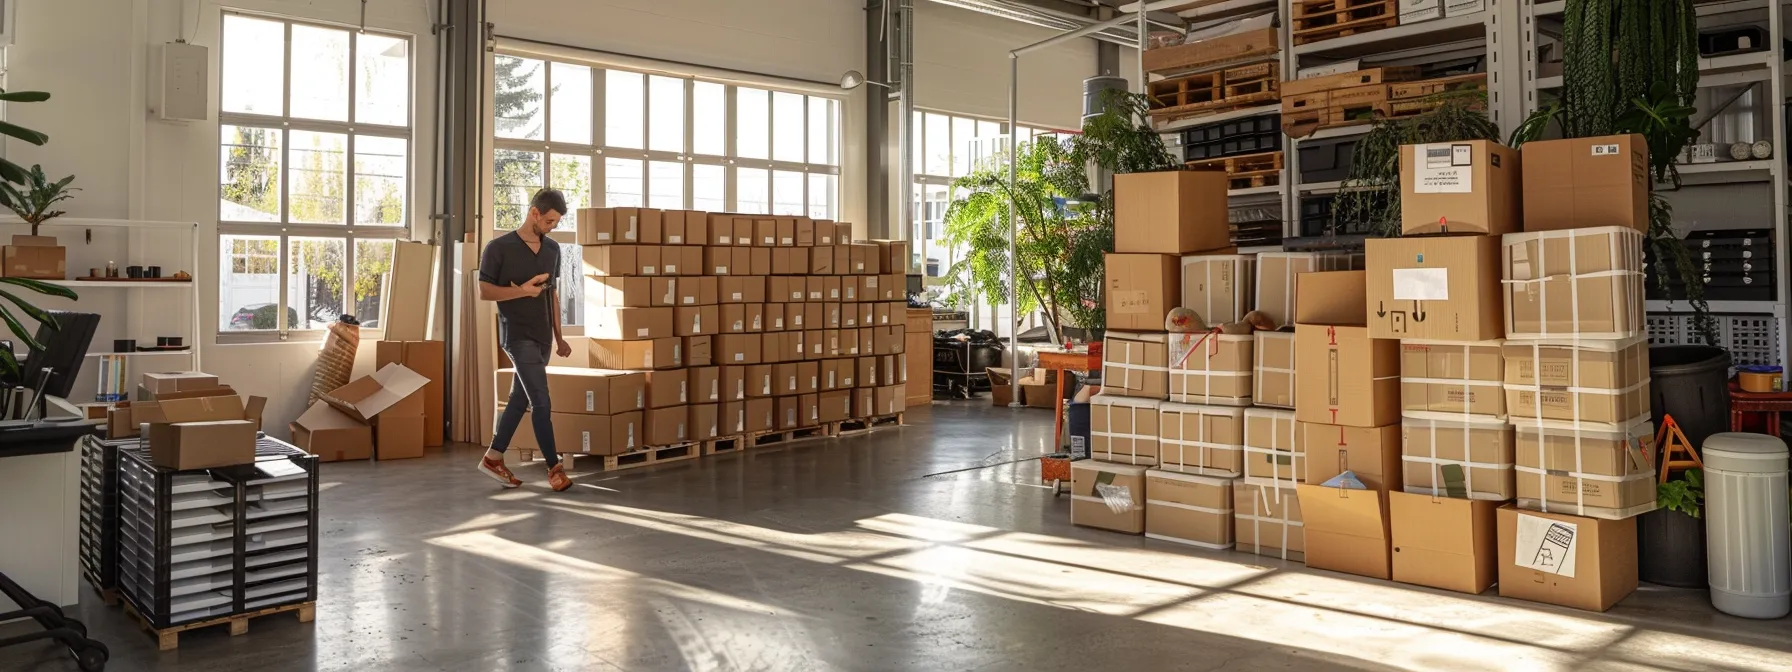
<point x="1399" y="38"/>
<point x="1271" y="190"/>
<point x="1191" y="122"/>
<point x="1549" y="82"/>
<point x="1735" y="307"/>
<point x="1550" y="8"/>
<point x="1726" y="172"/>
<point x="1331" y="187"/>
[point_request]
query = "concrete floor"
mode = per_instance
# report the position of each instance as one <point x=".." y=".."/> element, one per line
<point x="929" y="547"/>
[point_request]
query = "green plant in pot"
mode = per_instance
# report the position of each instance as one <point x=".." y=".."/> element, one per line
<point x="32" y="199"/>
<point x="1684" y="493"/>
<point x="43" y="194"/>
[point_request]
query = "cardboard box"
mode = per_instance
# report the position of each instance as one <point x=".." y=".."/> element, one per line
<point x="586" y="391"/>
<point x="759" y="262"/>
<point x="1108" y="496"/>
<point x="698" y="291"/>
<point x="759" y="380"/>
<point x="1595" y="382"/>
<point x="668" y="388"/>
<point x="864" y="402"/>
<point x="1141" y="290"/>
<point x="732" y="418"/>
<point x="686" y="260"/>
<point x="1123" y="429"/>
<point x="842" y="259"/>
<point x="1171" y="212"/>
<point x="179" y="381"/>
<point x="774" y="316"/>
<point x="639" y="225"/>
<point x="1135" y="365"/>
<point x="805" y="232"/>
<point x="1446" y="380"/>
<point x="1586" y="472"/>
<point x="1444" y="288"/>
<point x="843" y="233"/>
<point x="1205" y="440"/>
<point x="760" y="414"/>
<point x="586" y="434"/>
<point x="38" y="260"/>
<point x="1372" y="453"/>
<point x="1587" y="182"/>
<point x="889" y="400"/>
<point x="738" y="348"/>
<point x="631" y="324"/>
<point x="1220" y="287"/>
<point x="668" y="426"/>
<point x="202" y="444"/>
<point x="605" y="260"/>
<point x="703" y="320"/>
<point x="744" y="231"/>
<point x="391" y="400"/>
<point x="814" y="342"/>
<point x="1350" y="378"/>
<point x="821" y="260"/>
<point x="1443" y="542"/>
<point x="719" y="260"/>
<point x="630" y="291"/>
<point x="704" y="384"/>
<point x="789" y="413"/>
<point x="1267" y="521"/>
<point x="658" y="353"/>
<point x="1273" y="449"/>
<point x="809" y="409"/>
<point x="721" y="229"/>
<point x="1188" y="509"/>
<point x="1036" y="393"/>
<point x="1584" y="563"/>
<point x="1211" y="369"/>
<point x="697" y="350"/>
<point x="893" y="255"/>
<point x="1550" y="293"/>
<point x="1460" y="187"/>
<point x="1347" y="530"/>
<point x="705" y="424"/>
<point x="1272" y="369"/>
<point x="835" y="405"/>
<point x="1469" y="458"/>
<point x="672" y="227"/>
<point x="331" y="435"/>
<point x="733" y="382"/>
<point x="1276" y="271"/>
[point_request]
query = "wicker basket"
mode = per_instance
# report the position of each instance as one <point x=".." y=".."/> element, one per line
<point x="337" y="360"/>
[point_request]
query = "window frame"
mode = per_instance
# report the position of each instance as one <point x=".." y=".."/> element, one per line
<point x="599" y="151"/>
<point x="284" y="230"/>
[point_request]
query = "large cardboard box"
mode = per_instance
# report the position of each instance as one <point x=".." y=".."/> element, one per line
<point x="1586" y="472"/>
<point x="1584" y="563"/>
<point x="1587" y="182"/>
<point x="1347" y="530"/>
<point x="1349" y="378"/>
<point x="1219" y="286"/>
<point x="1585" y="283"/>
<point x="1372" y="453"/>
<point x="658" y="353"/>
<point x="759" y="381"/>
<point x="761" y="414"/>
<point x="1443" y="542"/>
<point x="1468" y="458"/>
<point x="1123" y="429"/>
<point x="331" y="435"/>
<point x="202" y="444"/>
<point x="668" y="388"/>
<point x="605" y="260"/>
<point x="1188" y="509"/>
<point x="1273" y="379"/>
<point x="586" y="434"/>
<point x="1444" y="288"/>
<point x="1135" y="365"/>
<point x="1273" y="448"/>
<point x="629" y="324"/>
<point x="1598" y="382"/>
<point x="1211" y="369"/>
<point x="1108" y="496"/>
<point x="705" y="421"/>
<point x="1460" y="187"/>
<point x="1267" y="521"/>
<point x="428" y="359"/>
<point x="630" y="291"/>
<point x="738" y="348"/>
<point x="1445" y="379"/>
<point x="391" y="400"/>
<point x="668" y="426"/>
<point x="587" y="391"/>
<point x="698" y="291"/>
<point x="1276" y="273"/>
<point x="1206" y="440"/>
<point x="889" y="400"/>
<point x="835" y="405"/>
<point x="705" y="384"/>
<point x="1141" y="290"/>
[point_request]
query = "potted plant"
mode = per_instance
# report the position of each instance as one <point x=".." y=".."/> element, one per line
<point x="31" y="256"/>
<point x="1674" y="533"/>
<point x="11" y="174"/>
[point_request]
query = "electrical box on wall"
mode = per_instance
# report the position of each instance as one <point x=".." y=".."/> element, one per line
<point x="9" y="18"/>
<point x="177" y="87"/>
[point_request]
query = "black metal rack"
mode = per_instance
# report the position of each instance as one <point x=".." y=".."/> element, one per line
<point x="209" y="543"/>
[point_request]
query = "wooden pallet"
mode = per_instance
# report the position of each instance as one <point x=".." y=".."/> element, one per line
<point x="1432" y="87"/>
<point x="168" y="639"/>
<point x="726" y="444"/>
<point x="645" y="457"/>
<point x="781" y="438"/>
<point x="1215" y="107"/>
<point x="1319" y="20"/>
<point x="1244" y="163"/>
<point x="1251" y="181"/>
<point x="1186" y="90"/>
<point x="1241" y="89"/>
<point x="1346" y="115"/>
<point x="1247" y="73"/>
<point x="859" y="426"/>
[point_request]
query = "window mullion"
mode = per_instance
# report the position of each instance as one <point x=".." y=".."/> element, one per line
<point x="729" y="123"/>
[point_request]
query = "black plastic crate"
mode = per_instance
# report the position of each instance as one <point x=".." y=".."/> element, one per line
<point x="99" y="511"/>
<point x="1253" y="143"/>
<point x="1326" y="160"/>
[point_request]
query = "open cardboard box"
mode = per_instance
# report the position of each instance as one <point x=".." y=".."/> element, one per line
<point x="202" y="431"/>
<point x="391" y="401"/>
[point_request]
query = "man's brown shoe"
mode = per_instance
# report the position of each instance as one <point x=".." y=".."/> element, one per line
<point x="557" y="478"/>
<point x="497" y="470"/>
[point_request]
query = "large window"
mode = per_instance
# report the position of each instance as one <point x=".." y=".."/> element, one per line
<point x="314" y="172"/>
<point x="948" y="147"/>
<point x="610" y="137"/>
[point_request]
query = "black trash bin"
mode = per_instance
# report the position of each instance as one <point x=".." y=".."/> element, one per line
<point x="1691" y="383"/>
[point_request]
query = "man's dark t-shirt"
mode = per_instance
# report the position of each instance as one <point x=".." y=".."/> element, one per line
<point x="508" y="261"/>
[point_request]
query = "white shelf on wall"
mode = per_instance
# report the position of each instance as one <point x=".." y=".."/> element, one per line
<point x="1191" y="122"/>
<point x="126" y="284"/>
<point x="162" y="353"/>
<point x="1736" y="307"/>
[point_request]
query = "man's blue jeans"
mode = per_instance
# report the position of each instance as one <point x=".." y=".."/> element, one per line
<point x="528" y="392"/>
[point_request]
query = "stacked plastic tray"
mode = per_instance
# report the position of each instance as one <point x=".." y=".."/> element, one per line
<point x="99" y="510"/>
<point x="1250" y="135"/>
<point x="208" y="543"/>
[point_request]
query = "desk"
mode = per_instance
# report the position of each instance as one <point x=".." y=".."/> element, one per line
<point x="1061" y="361"/>
<point x="40" y="511"/>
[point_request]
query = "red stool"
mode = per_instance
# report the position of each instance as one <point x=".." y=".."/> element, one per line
<point x="1767" y="404"/>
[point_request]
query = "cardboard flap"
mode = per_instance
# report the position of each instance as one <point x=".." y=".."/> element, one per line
<point x="197" y="409"/>
<point x="322" y="416"/>
<point x="369" y="396"/>
<point x="1336" y="298"/>
<point x="1352" y="513"/>
<point x="220" y="391"/>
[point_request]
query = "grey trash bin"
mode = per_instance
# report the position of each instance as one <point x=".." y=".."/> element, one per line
<point x="1746" y="538"/>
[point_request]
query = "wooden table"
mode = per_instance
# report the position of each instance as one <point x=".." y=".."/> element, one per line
<point x="1061" y="361"/>
<point x="1770" y="404"/>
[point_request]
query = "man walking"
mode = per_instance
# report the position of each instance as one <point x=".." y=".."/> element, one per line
<point x="517" y="270"/>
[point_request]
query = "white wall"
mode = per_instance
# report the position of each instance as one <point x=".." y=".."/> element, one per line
<point x="961" y="65"/>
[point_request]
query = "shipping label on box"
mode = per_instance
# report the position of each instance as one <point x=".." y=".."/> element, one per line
<point x="1188" y="509"/>
<point x="1467" y="459"/>
<point x="1268" y="521"/>
<point x="1554" y="558"/>
<point x="1134" y="365"/>
<point x="1108" y="496"/>
<point x="1440" y="288"/>
<point x="1272" y="448"/>
<point x="1206" y="440"/>
<point x="1219" y="286"/>
<point x="1272" y="369"/>
<point x="1348" y="377"/>
<point x="1210" y="369"/>
<point x="1123" y="429"/>
<point x="1447" y="380"/>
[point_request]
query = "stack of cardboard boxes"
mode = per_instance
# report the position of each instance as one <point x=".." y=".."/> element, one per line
<point x="727" y="325"/>
<point x="190" y="420"/>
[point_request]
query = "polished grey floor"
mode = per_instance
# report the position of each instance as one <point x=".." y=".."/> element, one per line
<point x="929" y="547"/>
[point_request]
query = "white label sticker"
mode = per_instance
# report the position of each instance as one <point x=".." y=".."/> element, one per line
<point x="649" y="270"/>
<point x="871" y="281"/>
<point x="585" y="441"/>
<point x="756" y="326"/>
<point x="641" y="333"/>
<point x="778" y="323"/>
<point x="830" y="380"/>
<point x="697" y="323"/>
<point x="1443" y="169"/>
<point x="721" y="270"/>
<point x="738" y="327"/>
<point x="798" y="295"/>
<point x="740" y="388"/>
<point x="631" y="436"/>
<point x="646" y="361"/>
<point x="796" y="320"/>
<point x="850" y="293"/>
<point x="677" y="354"/>
<point x="833" y="293"/>
<point x="590" y="401"/>
<point x="791" y="384"/>
<point x="812" y="382"/>
<point x="767" y="241"/>
<point x="1605" y="150"/>
<point x="1421" y="284"/>
<point x="815" y="295"/>
<point x="675" y="240"/>
<point x="765" y="385"/>
<point x="715" y="389"/>
<point x="846" y="381"/>
<point x="740" y="421"/>
<point x="736" y="296"/>
<point x="690" y="300"/>
<point x="640" y="398"/>
<point x="724" y="240"/>
<point x="859" y="266"/>
<point x="671" y="269"/>
<point x="740" y="357"/>
<point x="681" y="391"/>
<point x="603" y="235"/>
<point x="786" y="242"/>
<point x="1546" y="545"/>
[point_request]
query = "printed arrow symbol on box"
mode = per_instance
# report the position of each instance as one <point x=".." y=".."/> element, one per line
<point x="1381" y="309"/>
<point x="1418" y="311"/>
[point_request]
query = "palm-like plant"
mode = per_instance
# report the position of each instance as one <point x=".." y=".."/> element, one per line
<point x="33" y="202"/>
<point x="9" y="365"/>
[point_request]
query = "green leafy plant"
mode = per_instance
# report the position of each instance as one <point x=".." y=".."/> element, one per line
<point x="9" y="365"/>
<point x="1685" y="494"/>
<point x="13" y="174"/>
<point x="33" y="203"/>
<point x="1371" y="193"/>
